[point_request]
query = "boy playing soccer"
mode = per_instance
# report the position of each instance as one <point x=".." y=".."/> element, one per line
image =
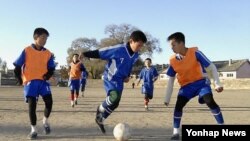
<point x="120" y="60"/>
<point x="75" y="70"/>
<point x="84" y="77"/>
<point x="149" y="75"/>
<point x="189" y="65"/>
<point x="33" y="68"/>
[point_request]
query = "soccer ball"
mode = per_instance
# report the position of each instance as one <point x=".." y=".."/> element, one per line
<point x="122" y="132"/>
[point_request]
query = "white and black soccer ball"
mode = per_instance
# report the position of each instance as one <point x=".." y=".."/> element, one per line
<point x="122" y="132"/>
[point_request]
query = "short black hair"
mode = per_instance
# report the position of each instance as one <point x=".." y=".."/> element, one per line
<point x="148" y="60"/>
<point x="138" y="36"/>
<point x="39" y="31"/>
<point x="178" y="36"/>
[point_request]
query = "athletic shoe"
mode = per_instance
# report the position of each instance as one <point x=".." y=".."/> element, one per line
<point x="100" y="125"/>
<point x="46" y="129"/>
<point x="72" y="104"/>
<point x="99" y="120"/>
<point x="175" y="137"/>
<point x="32" y="136"/>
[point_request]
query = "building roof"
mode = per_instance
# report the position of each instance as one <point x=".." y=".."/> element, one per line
<point x="229" y="65"/>
<point x="223" y="66"/>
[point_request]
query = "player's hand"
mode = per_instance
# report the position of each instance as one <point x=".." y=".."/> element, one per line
<point x="19" y="81"/>
<point x="126" y="80"/>
<point x="219" y="89"/>
<point x="46" y="76"/>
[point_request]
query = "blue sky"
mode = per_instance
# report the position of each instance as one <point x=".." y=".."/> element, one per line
<point x="220" y="28"/>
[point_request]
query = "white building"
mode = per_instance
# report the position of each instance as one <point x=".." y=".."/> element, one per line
<point x="229" y="69"/>
<point x="233" y="69"/>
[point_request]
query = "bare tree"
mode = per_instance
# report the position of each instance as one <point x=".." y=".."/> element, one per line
<point x="64" y="72"/>
<point x="120" y="34"/>
<point x="3" y="65"/>
<point x="79" y="45"/>
<point x="117" y="34"/>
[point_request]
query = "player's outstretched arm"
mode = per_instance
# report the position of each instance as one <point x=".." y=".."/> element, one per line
<point x="90" y="54"/>
<point x="169" y="90"/>
<point x="217" y="83"/>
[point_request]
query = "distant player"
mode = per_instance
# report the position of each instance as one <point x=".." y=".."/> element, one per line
<point x="120" y="60"/>
<point x="84" y="77"/>
<point x="188" y="65"/>
<point x="75" y="70"/>
<point x="133" y="85"/>
<point x="148" y="75"/>
<point x="33" y="68"/>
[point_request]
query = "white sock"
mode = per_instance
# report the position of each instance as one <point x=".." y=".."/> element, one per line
<point x="176" y="131"/>
<point x="33" y="128"/>
<point x="45" y="121"/>
<point x="101" y="108"/>
<point x="103" y="120"/>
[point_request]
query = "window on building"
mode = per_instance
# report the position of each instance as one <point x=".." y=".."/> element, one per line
<point x="230" y="75"/>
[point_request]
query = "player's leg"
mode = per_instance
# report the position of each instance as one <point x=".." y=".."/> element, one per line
<point x="32" y="102"/>
<point x="107" y="107"/>
<point x="77" y="89"/>
<point x="147" y="89"/>
<point x="180" y="103"/>
<point x="206" y="96"/>
<point x="76" y="96"/>
<point x="47" y="110"/>
<point x="83" y="87"/>
<point x="146" y="101"/>
<point x="72" y="95"/>
<point x="215" y="109"/>
<point x="30" y="94"/>
<point x="111" y="103"/>
<point x="48" y="101"/>
<point x="147" y="98"/>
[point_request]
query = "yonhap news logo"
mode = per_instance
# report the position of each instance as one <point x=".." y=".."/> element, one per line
<point x="215" y="132"/>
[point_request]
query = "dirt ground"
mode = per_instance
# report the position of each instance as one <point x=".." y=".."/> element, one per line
<point x="78" y="123"/>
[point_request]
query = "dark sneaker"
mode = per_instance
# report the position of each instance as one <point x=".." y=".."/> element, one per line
<point x="32" y="136"/>
<point x="46" y="129"/>
<point x="98" y="120"/>
<point x="101" y="126"/>
<point x="175" y="137"/>
<point x="75" y="102"/>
